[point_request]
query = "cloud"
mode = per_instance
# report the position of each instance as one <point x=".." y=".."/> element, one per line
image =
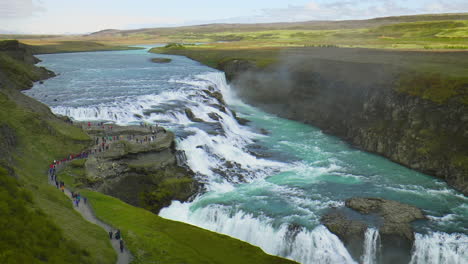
<point x="358" y="9"/>
<point x="10" y="9"/>
<point x="344" y="10"/>
<point x="78" y="24"/>
<point x="443" y="6"/>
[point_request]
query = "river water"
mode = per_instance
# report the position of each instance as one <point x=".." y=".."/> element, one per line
<point x="269" y="189"/>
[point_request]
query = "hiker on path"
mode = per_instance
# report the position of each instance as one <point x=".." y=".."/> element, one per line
<point x="117" y="234"/>
<point x="121" y="245"/>
<point x="110" y="234"/>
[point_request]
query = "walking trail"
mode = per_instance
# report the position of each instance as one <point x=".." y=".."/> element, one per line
<point x="85" y="210"/>
<point x="103" y="143"/>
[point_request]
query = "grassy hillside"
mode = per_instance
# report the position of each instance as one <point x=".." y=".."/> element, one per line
<point x="38" y="223"/>
<point x="41" y="47"/>
<point x="153" y="239"/>
<point x="419" y="32"/>
<point x="307" y="25"/>
<point x="157" y="240"/>
<point x="429" y="35"/>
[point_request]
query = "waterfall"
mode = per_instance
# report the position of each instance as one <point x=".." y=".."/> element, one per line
<point x="271" y="201"/>
<point x="371" y="246"/>
<point x="297" y="243"/>
<point x="440" y="248"/>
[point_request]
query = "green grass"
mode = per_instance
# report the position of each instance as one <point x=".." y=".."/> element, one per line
<point x="28" y="235"/>
<point x="434" y="87"/>
<point x="214" y="57"/>
<point x="438" y="77"/>
<point x="38" y="223"/>
<point x="37" y="145"/>
<point x="19" y="73"/>
<point x="420" y="32"/>
<point x="421" y="35"/>
<point x="153" y="239"/>
<point x="75" y="46"/>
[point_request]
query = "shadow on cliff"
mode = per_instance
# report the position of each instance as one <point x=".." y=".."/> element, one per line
<point x="385" y="102"/>
<point x="309" y="87"/>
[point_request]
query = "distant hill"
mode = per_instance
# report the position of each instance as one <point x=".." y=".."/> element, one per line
<point x="418" y="32"/>
<point x="308" y="25"/>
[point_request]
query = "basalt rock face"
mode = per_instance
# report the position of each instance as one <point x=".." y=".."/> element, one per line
<point x="139" y="171"/>
<point x="362" y="104"/>
<point x="234" y="68"/>
<point x="391" y="218"/>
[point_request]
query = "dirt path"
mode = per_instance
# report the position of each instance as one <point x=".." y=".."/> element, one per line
<point x="85" y="210"/>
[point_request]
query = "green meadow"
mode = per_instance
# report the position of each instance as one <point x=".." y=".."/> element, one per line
<point x="419" y="32"/>
<point x="426" y="35"/>
<point x="153" y="239"/>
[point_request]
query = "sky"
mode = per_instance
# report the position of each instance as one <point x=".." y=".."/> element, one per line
<point x="86" y="16"/>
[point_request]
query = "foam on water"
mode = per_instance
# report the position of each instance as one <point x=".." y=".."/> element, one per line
<point x="371" y="246"/>
<point x="440" y="248"/>
<point x="272" y="203"/>
<point x="294" y="242"/>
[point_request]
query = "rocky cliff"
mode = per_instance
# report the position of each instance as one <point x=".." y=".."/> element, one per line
<point x="418" y="119"/>
<point x="137" y="164"/>
<point x="391" y="218"/>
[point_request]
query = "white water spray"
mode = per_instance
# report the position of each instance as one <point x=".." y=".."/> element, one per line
<point x="211" y="145"/>
<point x="371" y="246"/>
<point x="297" y="243"/>
<point x="440" y="248"/>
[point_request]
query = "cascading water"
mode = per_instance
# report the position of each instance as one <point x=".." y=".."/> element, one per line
<point x="371" y="246"/>
<point x="269" y="190"/>
<point x="440" y="248"/>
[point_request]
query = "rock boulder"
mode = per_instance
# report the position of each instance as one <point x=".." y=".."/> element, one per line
<point x="391" y="218"/>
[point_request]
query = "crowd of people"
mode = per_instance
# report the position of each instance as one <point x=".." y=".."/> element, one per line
<point x="76" y="197"/>
<point x="118" y="236"/>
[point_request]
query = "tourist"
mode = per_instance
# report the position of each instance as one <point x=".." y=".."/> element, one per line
<point x="121" y="245"/>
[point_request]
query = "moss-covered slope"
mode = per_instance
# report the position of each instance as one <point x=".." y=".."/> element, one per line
<point x="157" y="240"/>
<point x="38" y="223"/>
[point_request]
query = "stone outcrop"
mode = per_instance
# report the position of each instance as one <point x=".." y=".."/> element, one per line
<point x="233" y="68"/>
<point x="137" y="169"/>
<point x="191" y="115"/>
<point x="391" y="218"/>
<point x="161" y="60"/>
<point x="363" y="103"/>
